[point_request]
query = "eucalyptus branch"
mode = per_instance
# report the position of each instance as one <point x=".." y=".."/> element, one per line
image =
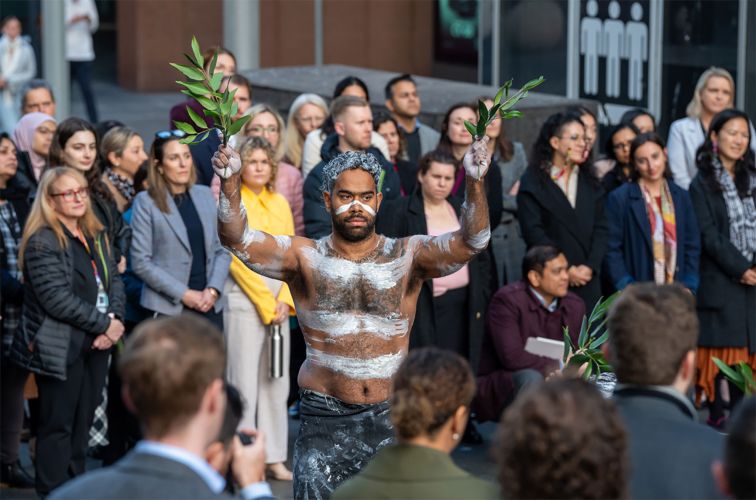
<point x="741" y="376"/>
<point x="203" y="85"/>
<point x="593" y="334"/>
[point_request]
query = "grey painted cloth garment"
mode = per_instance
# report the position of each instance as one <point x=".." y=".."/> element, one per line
<point x="336" y="440"/>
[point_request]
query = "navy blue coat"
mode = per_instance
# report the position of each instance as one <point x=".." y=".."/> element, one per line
<point x="629" y="256"/>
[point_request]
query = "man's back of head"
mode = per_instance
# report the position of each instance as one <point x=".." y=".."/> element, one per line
<point x="167" y="367"/>
<point x="737" y="478"/>
<point x="652" y="330"/>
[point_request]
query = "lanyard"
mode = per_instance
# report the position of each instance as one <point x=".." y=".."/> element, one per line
<point x="92" y="261"/>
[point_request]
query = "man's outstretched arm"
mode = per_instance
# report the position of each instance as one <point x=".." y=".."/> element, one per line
<point x="444" y="254"/>
<point x="271" y="256"/>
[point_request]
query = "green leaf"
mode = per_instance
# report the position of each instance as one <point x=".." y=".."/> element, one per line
<point x="185" y="127"/>
<point x="578" y="359"/>
<point x="598" y="342"/>
<point x="225" y="108"/>
<point x="191" y="73"/>
<point x="215" y="81"/>
<point x="583" y="336"/>
<point x="735" y="377"/>
<point x="499" y="95"/>
<point x="203" y="136"/>
<point x="482" y="112"/>
<point x="197" y="119"/>
<point x="533" y="83"/>
<point x="197" y="89"/>
<point x="234" y="109"/>
<point x="197" y="53"/>
<point x="380" y="180"/>
<point x="471" y="128"/>
<point x="567" y="344"/>
<point x="237" y="125"/>
<point x="189" y="139"/>
<point x="492" y="112"/>
<point x="512" y="114"/>
<point x="507" y="86"/>
<point x="213" y="62"/>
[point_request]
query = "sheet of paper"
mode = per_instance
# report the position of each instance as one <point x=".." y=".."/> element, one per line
<point x="548" y="348"/>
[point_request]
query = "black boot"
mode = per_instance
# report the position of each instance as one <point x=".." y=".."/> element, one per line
<point x="16" y="476"/>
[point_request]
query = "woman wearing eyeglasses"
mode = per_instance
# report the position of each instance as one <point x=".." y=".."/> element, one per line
<point x="73" y="305"/>
<point x="175" y="248"/>
<point x="267" y="123"/>
<point x="560" y="203"/>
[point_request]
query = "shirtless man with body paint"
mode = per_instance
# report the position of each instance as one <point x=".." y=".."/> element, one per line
<point x="355" y="294"/>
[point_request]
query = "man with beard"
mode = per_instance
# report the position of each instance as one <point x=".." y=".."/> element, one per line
<point x="353" y="122"/>
<point x="355" y="294"/>
<point x="403" y="101"/>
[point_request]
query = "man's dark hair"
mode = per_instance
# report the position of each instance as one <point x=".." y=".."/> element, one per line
<point x="35" y="84"/>
<point x="740" y="450"/>
<point x="651" y="329"/>
<point x="389" y="90"/>
<point x="562" y="440"/>
<point x="233" y="415"/>
<point x="536" y="258"/>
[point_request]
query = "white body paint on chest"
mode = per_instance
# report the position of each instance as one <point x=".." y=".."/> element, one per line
<point x="379" y="367"/>
<point x="344" y="208"/>
<point x="382" y="276"/>
<point x="338" y="324"/>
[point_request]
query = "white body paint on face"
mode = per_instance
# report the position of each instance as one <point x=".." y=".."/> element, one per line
<point x="345" y="208"/>
<point x="382" y="276"/>
<point x="338" y="324"/>
<point x="379" y="367"/>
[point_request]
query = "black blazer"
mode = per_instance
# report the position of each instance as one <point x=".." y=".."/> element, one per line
<point x="406" y="217"/>
<point x="547" y="218"/>
<point x="726" y="307"/>
<point x="670" y="453"/>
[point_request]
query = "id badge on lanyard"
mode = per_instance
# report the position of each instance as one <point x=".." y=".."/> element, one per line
<point x="103" y="301"/>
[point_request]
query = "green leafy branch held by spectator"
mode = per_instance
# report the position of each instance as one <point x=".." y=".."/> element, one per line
<point x="204" y="87"/>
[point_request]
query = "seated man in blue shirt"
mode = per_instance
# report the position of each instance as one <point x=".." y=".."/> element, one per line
<point x="172" y="371"/>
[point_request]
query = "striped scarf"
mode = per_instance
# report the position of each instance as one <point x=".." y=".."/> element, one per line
<point x="663" y="234"/>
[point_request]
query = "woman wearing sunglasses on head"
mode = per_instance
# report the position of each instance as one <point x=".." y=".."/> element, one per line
<point x="175" y="248"/>
<point x="73" y="305"/>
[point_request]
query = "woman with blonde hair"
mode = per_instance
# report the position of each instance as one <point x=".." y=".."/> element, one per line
<point x="258" y="307"/>
<point x="715" y="92"/>
<point x="307" y="113"/>
<point x="74" y="302"/>
<point x="268" y="123"/>
<point x="123" y="152"/>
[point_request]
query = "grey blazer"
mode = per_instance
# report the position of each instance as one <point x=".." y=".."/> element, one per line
<point x="161" y="255"/>
<point x="139" y="476"/>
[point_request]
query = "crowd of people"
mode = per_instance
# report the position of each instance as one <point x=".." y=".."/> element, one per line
<point x="106" y="241"/>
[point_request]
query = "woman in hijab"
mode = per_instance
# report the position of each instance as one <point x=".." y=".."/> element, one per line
<point x="33" y="137"/>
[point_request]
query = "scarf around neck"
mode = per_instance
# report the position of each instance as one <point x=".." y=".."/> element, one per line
<point x="663" y="234"/>
<point x="740" y="211"/>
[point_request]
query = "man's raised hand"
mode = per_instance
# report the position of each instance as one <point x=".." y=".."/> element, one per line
<point x="226" y="162"/>
<point x="476" y="159"/>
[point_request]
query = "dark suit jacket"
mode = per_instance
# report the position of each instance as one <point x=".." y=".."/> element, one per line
<point x="726" y="308"/>
<point x="629" y="256"/>
<point x="515" y="315"/>
<point x="670" y="453"/>
<point x="547" y="218"/>
<point x="406" y="217"/>
<point x="138" y="476"/>
<point x="408" y="471"/>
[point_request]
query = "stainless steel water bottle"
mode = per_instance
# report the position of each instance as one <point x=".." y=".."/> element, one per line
<point x="276" y="352"/>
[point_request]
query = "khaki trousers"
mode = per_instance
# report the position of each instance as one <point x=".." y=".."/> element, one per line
<point x="248" y="348"/>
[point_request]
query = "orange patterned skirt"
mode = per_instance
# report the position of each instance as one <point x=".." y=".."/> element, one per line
<point x="707" y="370"/>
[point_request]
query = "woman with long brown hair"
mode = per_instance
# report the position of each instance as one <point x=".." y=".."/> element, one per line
<point x="74" y="302"/>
